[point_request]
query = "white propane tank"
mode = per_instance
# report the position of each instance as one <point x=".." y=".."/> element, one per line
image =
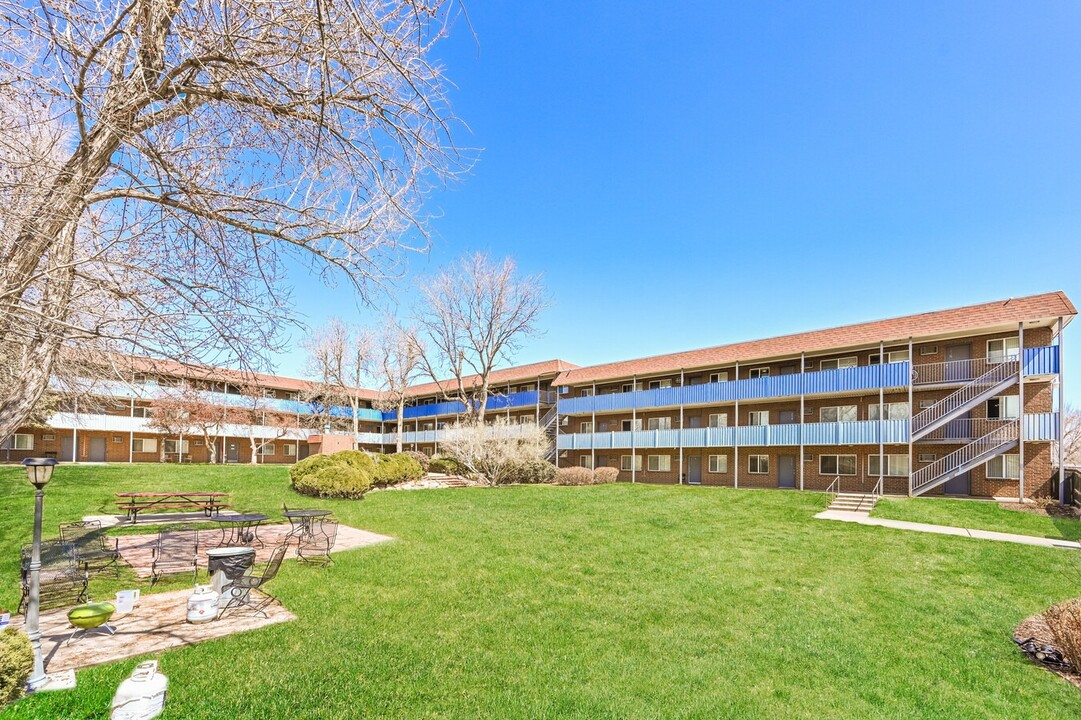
<point x="141" y="696"/>
<point x="202" y="604"/>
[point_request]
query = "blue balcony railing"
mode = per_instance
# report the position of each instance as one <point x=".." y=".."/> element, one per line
<point x="1041" y="426"/>
<point x="870" y="377"/>
<point x="863" y="432"/>
<point x="1041" y="360"/>
<point x="526" y="398"/>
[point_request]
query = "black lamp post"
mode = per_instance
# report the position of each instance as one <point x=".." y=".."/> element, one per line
<point x="39" y="470"/>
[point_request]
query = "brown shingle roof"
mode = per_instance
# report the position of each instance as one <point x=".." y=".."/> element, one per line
<point x="970" y="317"/>
<point x="511" y="375"/>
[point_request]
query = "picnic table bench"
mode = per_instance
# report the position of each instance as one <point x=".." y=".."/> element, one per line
<point x="210" y="503"/>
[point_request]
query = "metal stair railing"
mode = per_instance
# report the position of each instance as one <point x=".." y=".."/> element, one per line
<point x="835" y="485"/>
<point x="958" y="400"/>
<point x="927" y="477"/>
<point x="964" y="430"/>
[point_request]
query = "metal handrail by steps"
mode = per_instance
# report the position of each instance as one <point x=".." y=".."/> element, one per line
<point x="876" y="492"/>
<point x="835" y="485"/>
<point x="939" y="471"/>
<point x="927" y="420"/>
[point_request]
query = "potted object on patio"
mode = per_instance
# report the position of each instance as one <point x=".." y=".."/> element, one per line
<point x="202" y="605"/>
<point x="126" y="600"/>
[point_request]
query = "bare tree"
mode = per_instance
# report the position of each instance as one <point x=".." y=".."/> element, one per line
<point x="188" y="411"/>
<point x="397" y="366"/>
<point x="339" y="359"/>
<point x="494" y="452"/>
<point x="262" y="424"/>
<point x="1071" y="437"/>
<point x="162" y="162"/>
<point x="473" y="316"/>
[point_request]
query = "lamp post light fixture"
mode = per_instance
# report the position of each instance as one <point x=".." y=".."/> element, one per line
<point x="39" y="471"/>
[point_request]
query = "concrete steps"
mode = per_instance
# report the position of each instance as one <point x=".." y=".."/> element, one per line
<point x="854" y="502"/>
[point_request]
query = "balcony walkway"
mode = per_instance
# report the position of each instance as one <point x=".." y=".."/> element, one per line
<point x="864" y="518"/>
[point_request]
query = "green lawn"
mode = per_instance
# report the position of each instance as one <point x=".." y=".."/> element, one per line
<point x="977" y="515"/>
<point x="616" y="601"/>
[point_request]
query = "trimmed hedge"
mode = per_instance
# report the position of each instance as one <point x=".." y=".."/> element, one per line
<point x="420" y="457"/>
<point x="345" y="474"/>
<point x="585" y="476"/>
<point x="605" y="475"/>
<point x="397" y="468"/>
<point x="16" y="664"/>
<point x="534" y="472"/>
<point x="447" y="466"/>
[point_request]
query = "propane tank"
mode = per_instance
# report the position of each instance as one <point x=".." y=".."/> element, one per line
<point x="141" y="696"/>
<point x="202" y="604"/>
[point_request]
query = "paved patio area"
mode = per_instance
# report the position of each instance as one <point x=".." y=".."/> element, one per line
<point x="158" y="623"/>
<point x="138" y="550"/>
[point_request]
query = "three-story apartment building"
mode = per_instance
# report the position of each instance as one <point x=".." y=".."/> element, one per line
<point x="959" y="401"/>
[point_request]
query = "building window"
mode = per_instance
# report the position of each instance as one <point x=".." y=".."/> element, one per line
<point x="718" y="463"/>
<point x="1004" y="407"/>
<point x="659" y="423"/>
<point x="758" y="464"/>
<point x="586" y="461"/>
<point x="585" y="392"/>
<point x="289" y="450"/>
<point x="1002" y="349"/>
<point x="268" y="393"/>
<point x="718" y="420"/>
<point x="758" y="417"/>
<point x="758" y="372"/>
<point x="894" y="411"/>
<point x="660" y="463"/>
<point x="658" y="384"/>
<point x="144" y="445"/>
<point x="837" y="464"/>
<point x="896" y="465"/>
<point x="892" y="356"/>
<point x="838" y="363"/>
<point x="171" y="446"/>
<point x="625" y="462"/>
<point x="837" y="413"/>
<point x="140" y="412"/>
<point x="718" y="376"/>
<point x="586" y="427"/>
<point x="1004" y="467"/>
<point x="19" y="441"/>
<point x="629" y="425"/>
<point x="631" y="387"/>
<point x="268" y="449"/>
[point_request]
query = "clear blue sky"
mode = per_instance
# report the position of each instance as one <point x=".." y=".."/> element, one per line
<point x="694" y="173"/>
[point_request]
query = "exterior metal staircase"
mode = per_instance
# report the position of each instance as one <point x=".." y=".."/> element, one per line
<point x="991" y="382"/>
<point x="1002" y="439"/>
<point x="549" y="423"/>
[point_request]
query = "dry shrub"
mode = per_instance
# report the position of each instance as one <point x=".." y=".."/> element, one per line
<point x="605" y="475"/>
<point x="1064" y="621"/>
<point x="573" y="476"/>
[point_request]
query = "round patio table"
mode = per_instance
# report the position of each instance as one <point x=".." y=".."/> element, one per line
<point x="240" y="529"/>
<point x="301" y="520"/>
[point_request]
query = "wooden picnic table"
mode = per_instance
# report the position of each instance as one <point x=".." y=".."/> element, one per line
<point x="134" y="503"/>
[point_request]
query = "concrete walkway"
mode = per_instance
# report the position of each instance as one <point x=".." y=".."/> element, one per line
<point x="863" y="518"/>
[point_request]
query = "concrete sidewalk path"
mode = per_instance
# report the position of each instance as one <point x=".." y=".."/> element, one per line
<point x="863" y="518"/>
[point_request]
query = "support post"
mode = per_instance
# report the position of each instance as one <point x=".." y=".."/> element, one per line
<point x="735" y="436"/>
<point x="593" y="431"/>
<point x="802" y="371"/>
<point x="75" y="431"/>
<point x="681" y="426"/>
<point x="882" y="409"/>
<point x="1060" y="421"/>
<point x="634" y="423"/>
<point x="911" y="414"/>
<point x="131" y="431"/>
<point x="1021" y="412"/>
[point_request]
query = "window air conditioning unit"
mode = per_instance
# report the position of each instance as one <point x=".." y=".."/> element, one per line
<point x="117" y="439"/>
<point x="808" y="457"/>
<point x="808" y="365"/>
<point x="924" y="404"/>
<point x="48" y="437"/>
<point x="926" y="457"/>
<point x="929" y="350"/>
<point x="808" y="412"/>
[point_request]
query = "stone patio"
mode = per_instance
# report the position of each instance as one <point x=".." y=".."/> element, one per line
<point x="138" y="550"/>
<point x="158" y="623"/>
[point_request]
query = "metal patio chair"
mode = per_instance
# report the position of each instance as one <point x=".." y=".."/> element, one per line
<point x="93" y="549"/>
<point x="62" y="584"/>
<point x="241" y="592"/>
<point x="176" y="551"/>
<point x="315" y="546"/>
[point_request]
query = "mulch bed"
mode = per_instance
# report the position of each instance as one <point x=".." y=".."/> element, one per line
<point x="1036" y="628"/>
<point x="1050" y="510"/>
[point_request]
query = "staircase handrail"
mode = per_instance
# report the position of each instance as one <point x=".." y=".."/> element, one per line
<point x="836" y="482"/>
<point x="997" y="374"/>
<point x="929" y="473"/>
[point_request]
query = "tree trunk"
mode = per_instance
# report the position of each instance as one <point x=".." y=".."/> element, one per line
<point x="254" y="451"/>
<point x="401" y="414"/>
<point x="211" y="449"/>
<point x="34" y="381"/>
<point x="356" y="424"/>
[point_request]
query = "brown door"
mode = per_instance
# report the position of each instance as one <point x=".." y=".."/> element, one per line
<point x="786" y="471"/>
<point x="97" y="449"/>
